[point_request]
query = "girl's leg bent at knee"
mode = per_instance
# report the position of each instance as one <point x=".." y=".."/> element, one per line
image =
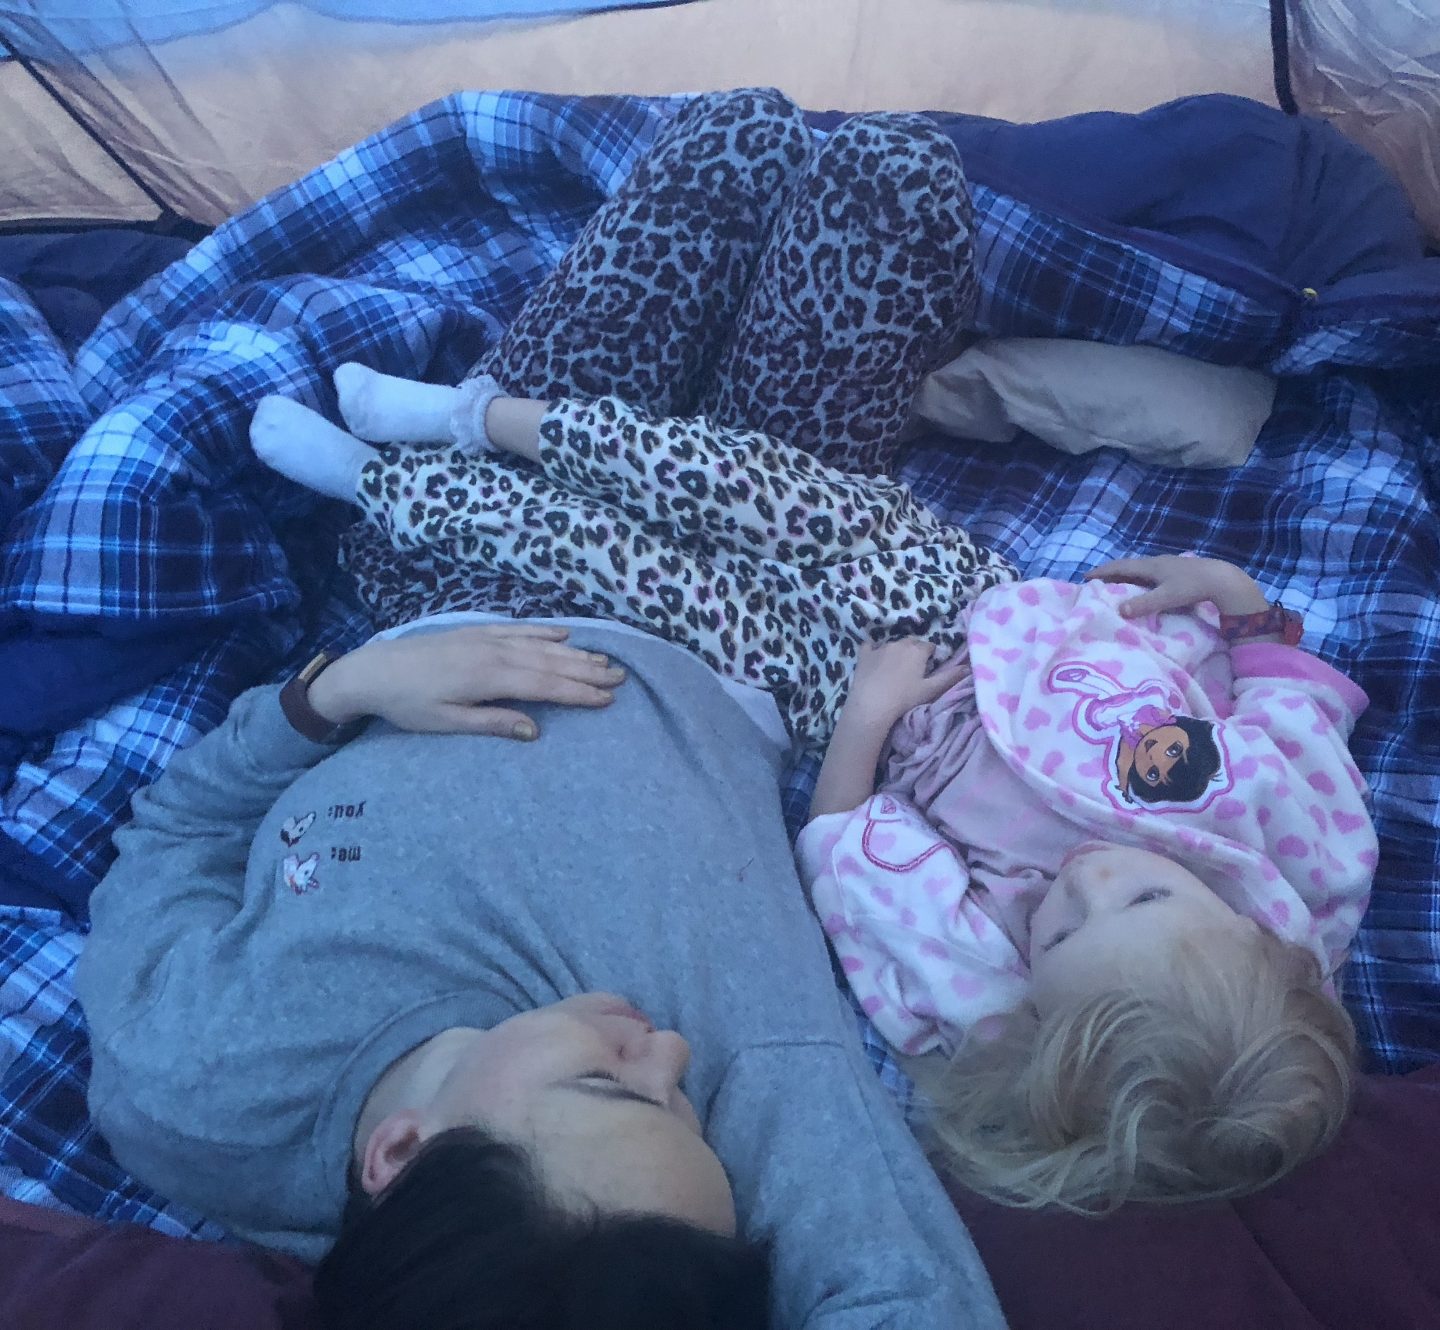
<point x="866" y="283"/>
<point x="640" y="304"/>
<point x="629" y="574"/>
<point x="421" y="499"/>
<point x="515" y="524"/>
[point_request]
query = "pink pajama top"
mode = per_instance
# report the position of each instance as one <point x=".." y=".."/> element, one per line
<point x="926" y="890"/>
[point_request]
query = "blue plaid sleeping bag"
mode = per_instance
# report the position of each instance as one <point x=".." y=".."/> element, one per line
<point x="152" y="569"/>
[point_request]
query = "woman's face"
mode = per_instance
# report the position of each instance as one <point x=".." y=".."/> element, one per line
<point x="591" y="1090"/>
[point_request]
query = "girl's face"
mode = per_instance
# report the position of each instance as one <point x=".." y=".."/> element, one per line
<point x="1158" y="751"/>
<point x="1111" y="918"/>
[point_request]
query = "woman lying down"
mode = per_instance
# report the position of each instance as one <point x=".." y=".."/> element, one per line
<point x="544" y="1032"/>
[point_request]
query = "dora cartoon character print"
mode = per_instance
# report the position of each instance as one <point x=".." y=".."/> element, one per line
<point x="1157" y="754"/>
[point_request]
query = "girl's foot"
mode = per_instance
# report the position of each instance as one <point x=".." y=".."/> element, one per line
<point x="384" y="409"/>
<point x="301" y="444"/>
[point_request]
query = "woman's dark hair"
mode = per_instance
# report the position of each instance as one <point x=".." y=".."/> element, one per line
<point x="1190" y="775"/>
<point x="467" y="1238"/>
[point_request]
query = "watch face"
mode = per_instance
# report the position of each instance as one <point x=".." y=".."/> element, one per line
<point x="313" y="668"/>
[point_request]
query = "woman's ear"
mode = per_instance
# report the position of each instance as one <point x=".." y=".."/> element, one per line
<point x="395" y="1141"/>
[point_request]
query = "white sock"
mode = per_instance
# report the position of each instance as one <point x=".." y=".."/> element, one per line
<point x="384" y="409"/>
<point x="301" y="444"/>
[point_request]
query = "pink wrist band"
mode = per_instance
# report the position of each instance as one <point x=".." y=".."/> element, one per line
<point x="1277" y="619"/>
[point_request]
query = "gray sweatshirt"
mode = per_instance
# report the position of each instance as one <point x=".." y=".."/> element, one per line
<point x="284" y="920"/>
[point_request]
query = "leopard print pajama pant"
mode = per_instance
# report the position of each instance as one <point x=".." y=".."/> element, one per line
<point x="734" y="339"/>
<point x="766" y="564"/>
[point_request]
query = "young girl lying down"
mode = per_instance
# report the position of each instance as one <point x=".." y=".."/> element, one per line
<point x="1109" y="873"/>
<point x="1120" y="847"/>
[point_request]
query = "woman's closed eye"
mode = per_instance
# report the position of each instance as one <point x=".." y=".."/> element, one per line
<point x="621" y="1091"/>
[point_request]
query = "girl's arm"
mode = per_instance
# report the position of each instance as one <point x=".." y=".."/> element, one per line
<point x="847" y="775"/>
<point x="1177" y="581"/>
<point x="893" y="895"/>
<point x="890" y="680"/>
<point x="1294" y="715"/>
<point x="1292" y="719"/>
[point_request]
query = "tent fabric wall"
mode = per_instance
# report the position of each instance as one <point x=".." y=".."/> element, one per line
<point x="1373" y="70"/>
<point x="212" y="121"/>
<point x="97" y="23"/>
<point x="54" y="171"/>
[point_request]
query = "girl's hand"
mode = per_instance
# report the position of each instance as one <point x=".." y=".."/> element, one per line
<point x="891" y="678"/>
<point x="444" y="682"/>
<point x="1179" y="581"/>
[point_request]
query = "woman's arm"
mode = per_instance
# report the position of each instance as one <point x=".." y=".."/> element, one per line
<point x="445" y="683"/>
<point x="182" y="857"/>
<point x="889" y="681"/>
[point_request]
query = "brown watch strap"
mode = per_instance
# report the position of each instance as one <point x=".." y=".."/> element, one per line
<point x="303" y="718"/>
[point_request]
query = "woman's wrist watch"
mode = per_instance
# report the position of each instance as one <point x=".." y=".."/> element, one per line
<point x="303" y="718"/>
<point x="1276" y="619"/>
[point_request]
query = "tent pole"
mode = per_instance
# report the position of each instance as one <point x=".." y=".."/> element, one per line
<point x="1280" y="56"/>
<point x="28" y="65"/>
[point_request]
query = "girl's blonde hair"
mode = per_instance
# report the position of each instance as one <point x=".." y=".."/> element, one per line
<point x="1214" y="1083"/>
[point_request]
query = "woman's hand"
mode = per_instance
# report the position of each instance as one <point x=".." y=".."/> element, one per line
<point x="1178" y="581"/>
<point x="443" y="682"/>
<point x="892" y="678"/>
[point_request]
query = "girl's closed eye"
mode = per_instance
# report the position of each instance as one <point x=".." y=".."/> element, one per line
<point x="1140" y="898"/>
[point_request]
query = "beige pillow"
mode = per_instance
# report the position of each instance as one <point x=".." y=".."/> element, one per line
<point x="1157" y="406"/>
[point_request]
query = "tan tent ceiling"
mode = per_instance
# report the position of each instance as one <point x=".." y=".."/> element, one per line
<point x="53" y="168"/>
<point x="209" y="122"/>
<point x="213" y="121"/>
